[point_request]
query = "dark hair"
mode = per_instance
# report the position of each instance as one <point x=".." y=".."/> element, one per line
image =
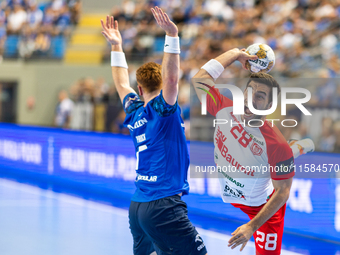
<point x="266" y="79"/>
<point x="149" y="76"/>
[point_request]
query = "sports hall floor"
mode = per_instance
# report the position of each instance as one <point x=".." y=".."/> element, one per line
<point x="39" y="221"/>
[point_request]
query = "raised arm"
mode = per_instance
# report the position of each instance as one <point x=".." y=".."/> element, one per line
<point x="213" y="69"/>
<point x="170" y="64"/>
<point x="119" y="66"/>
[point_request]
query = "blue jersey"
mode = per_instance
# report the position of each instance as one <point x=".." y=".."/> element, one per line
<point x="162" y="154"/>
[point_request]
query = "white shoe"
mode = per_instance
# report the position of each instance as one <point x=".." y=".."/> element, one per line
<point x="300" y="147"/>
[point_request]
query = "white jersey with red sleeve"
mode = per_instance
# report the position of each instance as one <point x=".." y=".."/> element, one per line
<point x="247" y="157"/>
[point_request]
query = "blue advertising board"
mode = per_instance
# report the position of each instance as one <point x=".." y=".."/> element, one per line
<point x="106" y="162"/>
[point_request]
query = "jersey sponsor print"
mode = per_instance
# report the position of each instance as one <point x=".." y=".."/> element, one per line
<point x="249" y="157"/>
<point x="158" y="136"/>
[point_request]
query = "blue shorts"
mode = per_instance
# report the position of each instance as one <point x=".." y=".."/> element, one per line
<point x="163" y="226"/>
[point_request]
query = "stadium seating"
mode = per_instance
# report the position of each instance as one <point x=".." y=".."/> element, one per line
<point x="11" y="46"/>
<point x="58" y="45"/>
<point x="86" y="44"/>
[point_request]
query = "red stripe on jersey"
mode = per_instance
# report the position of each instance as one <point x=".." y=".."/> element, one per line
<point x="213" y="108"/>
<point x="279" y="153"/>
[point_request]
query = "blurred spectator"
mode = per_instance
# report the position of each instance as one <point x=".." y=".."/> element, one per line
<point x="325" y="10"/>
<point x="16" y="19"/>
<point x="2" y="14"/>
<point x="336" y="130"/>
<point x="219" y="9"/>
<point x="2" y="38"/>
<point x="96" y="106"/>
<point x="327" y="45"/>
<point x="75" y="10"/>
<point x="34" y="16"/>
<point x="30" y="103"/>
<point x="42" y="43"/>
<point x="324" y="90"/>
<point x="326" y="141"/>
<point x="63" y="22"/>
<point x="304" y="34"/>
<point x="44" y="20"/>
<point x="56" y="5"/>
<point x="82" y="114"/>
<point x="26" y="43"/>
<point x="63" y="110"/>
<point x="335" y="99"/>
<point x="114" y="113"/>
<point x="12" y="3"/>
<point x="101" y="90"/>
<point x="128" y="7"/>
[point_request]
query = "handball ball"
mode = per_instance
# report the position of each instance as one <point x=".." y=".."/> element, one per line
<point x="265" y="61"/>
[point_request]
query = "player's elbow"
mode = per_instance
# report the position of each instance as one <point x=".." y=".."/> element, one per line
<point x="171" y="82"/>
<point x="284" y="194"/>
<point x="198" y="75"/>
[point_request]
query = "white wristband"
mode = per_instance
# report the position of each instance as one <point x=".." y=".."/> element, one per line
<point x="214" y="68"/>
<point x="171" y="45"/>
<point x="118" y="59"/>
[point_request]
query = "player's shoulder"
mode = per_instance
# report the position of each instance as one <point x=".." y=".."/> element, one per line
<point x="131" y="103"/>
<point x="278" y="151"/>
<point x="161" y="107"/>
<point x="274" y="139"/>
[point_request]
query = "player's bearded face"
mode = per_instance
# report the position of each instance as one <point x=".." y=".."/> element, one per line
<point x="260" y="100"/>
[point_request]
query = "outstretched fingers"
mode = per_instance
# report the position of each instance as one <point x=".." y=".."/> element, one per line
<point x="107" y="22"/>
<point x="156" y="15"/>
<point x="166" y="18"/>
<point x="103" y="25"/>
<point x="112" y="22"/>
<point x="161" y="14"/>
<point x="105" y="35"/>
<point x="243" y="245"/>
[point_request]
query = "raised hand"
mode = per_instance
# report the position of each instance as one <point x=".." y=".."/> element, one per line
<point x="244" y="56"/>
<point x="111" y="32"/>
<point x="164" y="22"/>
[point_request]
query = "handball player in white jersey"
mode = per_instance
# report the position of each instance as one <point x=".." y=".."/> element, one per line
<point x="262" y="195"/>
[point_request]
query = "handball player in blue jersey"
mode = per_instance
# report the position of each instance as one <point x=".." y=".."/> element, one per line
<point x="158" y="217"/>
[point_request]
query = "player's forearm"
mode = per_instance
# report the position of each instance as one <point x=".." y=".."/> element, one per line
<point x="170" y="76"/>
<point x="120" y="75"/>
<point x="117" y="47"/>
<point x="170" y="70"/>
<point x="229" y="57"/>
<point x="121" y="81"/>
<point x="226" y="59"/>
<point x="278" y="199"/>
